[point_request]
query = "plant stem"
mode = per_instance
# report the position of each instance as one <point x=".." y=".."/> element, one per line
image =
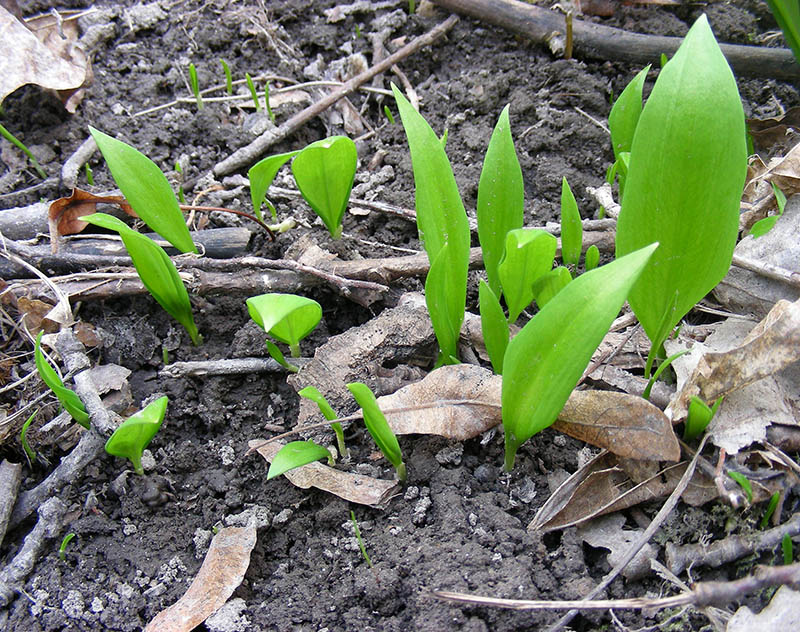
<point x="18" y="144"/>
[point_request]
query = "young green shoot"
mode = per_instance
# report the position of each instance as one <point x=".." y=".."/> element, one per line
<point x="571" y="227"/>
<point x="270" y="113"/>
<point x="297" y="454"/>
<point x="494" y="326"/>
<point x="261" y="176"/>
<point x="136" y="432"/>
<point x="156" y="270"/>
<point x="787" y="15"/>
<point x="661" y="368"/>
<point x="744" y="483"/>
<point x="195" y="85"/>
<point x="771" y="507"/>
<point x="312" y="393"/>
<point x="361" y="546"/>
<point x="23" y="439"/>
<point x="378" y="427"/>
<point x="388" y="113"/>
<point x="763" y="226"/>
<point x="62" y="550"/>
<point x="700" y="415"/>
<point x="529" y="254"/>
<point x="622" y="121"/>
<point x="19" y="145"/>
<point x="252" y="87"/>
<point x="286" y="317"/>
<point x="228" y="78"/>
<point x="787" y="548"/>
<point x="89" y="174"/>
<point x="69" y="400"/>
<point x="592" y="258"/>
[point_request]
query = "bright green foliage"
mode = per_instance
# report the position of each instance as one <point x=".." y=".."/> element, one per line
<point x="494" y="326"/>
<point x="297" y="454"/>
<point x="661" y="368"/>
<point x="388" y="113"/>
<point x="592" y="257"/>
<point x="378" y="427"/>
<point x="571" y="228"/>
<point x="500" y="198"/>
<point x="699" y="416"/>
<point x="24" y="440"/>
<point x="443" y="229"/>
<point x="544" y="362"/>
<point x="788" y="549"/>
<point x="312" y="393"/>
<point x="787" y="15"/>
<point x="550" y="284"/>
<point x="156" y="270"/>
<point x="744" y="483"/>
<point x="529" y="254"/>
<point x="261" y="176"/>
<point x="21" y="146"/>
<point x="276" y="354"/>
<point x="286" y="317"/>
<point x="136" y="432"/>
<point x="62" y="550"/>
<point x="624" y="116"/>
<point x="324" y="172"/>
<point x="228" y="79"/>
<point x="195" y="84"/>
<point x="252" y="87"/>
<point x="146" y="189"/>
<point x="69" y="400"/>
<point x="684" y="184"/>
<point x="763" y="226"/>
<point x="773" y="504"/>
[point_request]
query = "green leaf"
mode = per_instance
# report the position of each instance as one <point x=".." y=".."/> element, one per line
<point x="324" y="172"/>
<point x="624" y="116"/>
<point x="445" y="305"/>
<point x="550" y="284"/>
<point x="261" y="176"/>
<point x="744" y="483"/>
<point x="544" y="362"/>
<point x="684" y="183"/>
<point x="571" y="228"/>
<point x="592" y="258"/>
<point x="378" y="427"/>
<point x="787" y="15"/>
<point x="312" y="393"/>
<point x="23" y="439"/>
<point x="69" y="400"/>
<point x="286" y="317"/>
<point x="296" y="454"/>
<point x="276" y="354"/>
<point x="788" y="549"/>
<point x="529" y="254"/>
<point x="147" y="190"/>
<point x="500" y="198"/>
<point x="699" y="416"/>
<point x="156" y="270"/>
<point x="136" y="432"/>
<point x="773" y="504"/>
<point x="494" y="326"/>
<point x="763" y="226"/>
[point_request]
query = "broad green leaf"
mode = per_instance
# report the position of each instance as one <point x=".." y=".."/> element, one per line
<point x="545" y="360"/>
<point x="378" y="427"/>
<point x="296" y="454"/>
<point x="592" y="257"/>
<point x="136" y="432"/>
<point x="261" y="176"/>
<point x="787" y="15"/>
<point x="147" y="190"/>
<point x="529" y="254"/>
<point x="684" y="184"/>
<point x="500" y="198"/>
<point x="571" y="228"/>
<point x="494" y="326"/>
<point x="324" y="172"/>
<point x="625" y="114"/>
<point x="550" y="284"/>
<point x="156" y="270"/>
<point x="69" y="399"/>
<point x="445" y="305"/>
<point x="286" y="317"/>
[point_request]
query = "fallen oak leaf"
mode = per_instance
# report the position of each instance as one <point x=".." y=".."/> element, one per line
<point x="222" y="571"/>
<point x="65" y="213"/>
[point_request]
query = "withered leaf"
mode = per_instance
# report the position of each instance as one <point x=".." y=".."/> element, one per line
<point x="356" y="488"/>
<point x="767" y="132"/>
<point x="626" y="425"/>
<point x="221" y="573"/>
<point x="65" y="213"/>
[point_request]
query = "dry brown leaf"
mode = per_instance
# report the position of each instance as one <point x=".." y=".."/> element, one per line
<point x="34" y="312"/>
<point x="221" y="573"/>
<point x="626" y="425"/>
<point x="607" y="532"/>
<point x="355" y="488"/>
<point x="26" y="59"/>
<point x="767" y="132"/>
<point x="65" y="212"/>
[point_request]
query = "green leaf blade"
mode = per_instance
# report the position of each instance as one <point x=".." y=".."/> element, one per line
<point x="261" y="176"/>
<point x="529" y="254"/>
<point x="571" y="227"/>
<point x="624" y="116"/>
<point x="296" y="454"/>
<point x="287" y="317"/>
<point x="549" y="285"/>
<point x="377" y="426"/>
<point x="312" y="393"/>
<point x="69" y="399"/>
<point x="136" y="432"/>
<point x="446" y="304"/>
<point x="494" y="326"/>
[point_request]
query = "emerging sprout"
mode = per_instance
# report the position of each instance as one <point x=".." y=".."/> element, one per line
<point x="378" y="427"/>
<point x="69" y="400"/>
<point x="286" y="317"/>
<point x="136" y="432"/>
<point x="252" y="87"/>
<point x="24" y="440"/>
<point x="297" y="454"/>
<point x="62" y="550"/>
<point x="312" y="393"/>
<point x="21" y="146"/>
<point x="195" y="86"/>
<point x="228" y="79"/>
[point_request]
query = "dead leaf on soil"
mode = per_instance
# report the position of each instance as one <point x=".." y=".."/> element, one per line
<point x="355" y="488"/>
<point x="607" y="533"/>
<point x="782" y="613"/>
<point x="768" y="132"/>
<point x="65" y="213"/>
<point x="220" y="575"/>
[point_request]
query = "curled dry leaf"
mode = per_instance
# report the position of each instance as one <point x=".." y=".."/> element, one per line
<point x="767" y="132"/>
<point x="355" y="488"/>
<point x="607" y="532"/>
<point x="221" y="573"/>
<point x="65" y="213"/>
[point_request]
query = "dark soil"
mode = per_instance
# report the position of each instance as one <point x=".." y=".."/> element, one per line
<point x="460" y="523"/>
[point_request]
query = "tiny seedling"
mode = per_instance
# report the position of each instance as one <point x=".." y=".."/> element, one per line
<point x="622" y="121"/>
<point x="286" y="317"/>
<point x="571" y="228"/>
<point x="361" y="546"/>
<point x="23" y="439"/>
<point x="787" y="547"/>
<point x="156" y="270"/>
<point x="62" y="550"/>
<point x="89" y="174"/>
<point x="136" y="432"/>
<point x="700" y="415"/>
<point x="529" y="254"/>
<point x="69" y="400"/>
<point x="20" y="145"/>
<point x="270" y="113"/>
<point x="378" y="427"/>
<point x="763" y="226"/>
<point x="771" y="507"/>
<point x="661" y="368"/>
<point x="297" y="454"/>
<point x="252" y="87"/>
<point x="592" y="257"/>
<point x="312" y="393"/>
<point x="195" y="85"/>
<point x="744" y="483"/>
<point x="228" y="78"/>
<point x="388" y="113"/>
<point x="261" y="176"/>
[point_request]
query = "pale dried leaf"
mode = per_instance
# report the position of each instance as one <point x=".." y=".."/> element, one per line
<point x="607" y="533"/>
<point x="220" y="575"/>
<point x="782" y="613"/>
<point x="355" y="488"/>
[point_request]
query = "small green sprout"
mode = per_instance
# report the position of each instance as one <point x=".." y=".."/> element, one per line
<point x="361" y="546"/>
<point x="195" y="84"/>
<point x="312" y="393"/>
<point x="744" y="483"/>
<point x="228" y="78"/>
<point x="412" y="7"/>
<point x="787" y="547"/>
<point x="571" y="228"/>
<point x="261" y="176"/>
<point x="661" y="368"/>
<point x="252" y="87"/>
<point x="773" y="504"/>
<point x="528" y="256"/>
<point x="663" y="59"/>
<point x="19" y="145"/>
<point x="270" y="113"/>
<point x="69" y="400"/>
<point x="622" y="121"/>
<point x="763" y="226"/>
<point x="378" y="427"/>
<point x="550" y="284"/>
<point x="276" y="354"/>
<point x="592" y="258"/>
<point x="62" y="550"/>
<point x="388" y="113"/>
<point x="787" y="15"/>
<point x="23" y="439"/>
<point x="136" y="432"/>
<point x="297" y="454"/>
<point x="89" y="174"/>
<point x="179" y="170"/>
<point x="286" y="317"/>
<point x="700" y="415"/>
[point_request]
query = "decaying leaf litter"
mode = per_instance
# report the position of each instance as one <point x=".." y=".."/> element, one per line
<point x="388" y="355"/>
